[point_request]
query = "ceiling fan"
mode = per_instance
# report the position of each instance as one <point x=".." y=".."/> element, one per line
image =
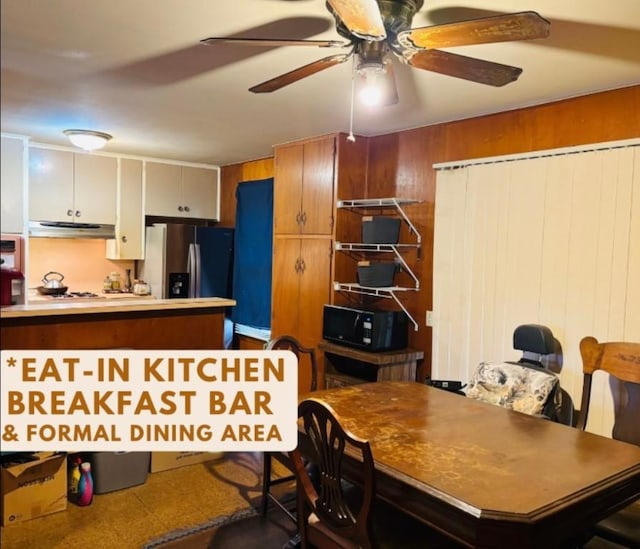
<point x="377" y="28"/>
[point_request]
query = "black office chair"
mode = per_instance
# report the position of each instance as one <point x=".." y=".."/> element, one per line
<point x="306" y="359"/>
<point x="526" y="385"/>
<point x="621" y="360"/>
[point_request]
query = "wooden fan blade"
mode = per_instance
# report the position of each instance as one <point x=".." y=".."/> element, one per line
<point x="467" y="68"/>
<point x="361" y="17"/>
<point x="525" y="25"/>
<point x="275" y="42"/>
<point x="299" y="73"/>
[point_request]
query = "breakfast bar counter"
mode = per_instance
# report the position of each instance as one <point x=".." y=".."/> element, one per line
<point x="109" y="324"/>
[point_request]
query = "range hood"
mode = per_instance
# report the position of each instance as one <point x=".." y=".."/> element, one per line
<point x="61" y="229"/>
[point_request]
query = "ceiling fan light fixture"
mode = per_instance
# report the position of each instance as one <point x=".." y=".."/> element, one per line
<point x="372" y="92"/>
<point x="88" y="140"/>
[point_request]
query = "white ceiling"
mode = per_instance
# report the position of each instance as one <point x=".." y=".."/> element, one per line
<point x="135" y="69"/>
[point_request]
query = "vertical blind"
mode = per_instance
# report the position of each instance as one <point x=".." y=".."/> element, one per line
<point x="550" y="239"/>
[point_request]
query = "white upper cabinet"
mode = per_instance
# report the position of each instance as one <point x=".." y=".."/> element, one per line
<point x="95" y="188"/>
<point x="65" y="186"/>
<point x="14" y="151"/>
<point x="50" y="185"/>
<point x="129" y="241"/>
<point x="172" y="190"/>
<point x="200" y="192"/>
<point x="162" y="189"/>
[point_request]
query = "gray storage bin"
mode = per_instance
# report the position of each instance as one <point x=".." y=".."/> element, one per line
<point x="380" y="230"/>
<point x="376" y="274"/>
<point x="117" y="470"/>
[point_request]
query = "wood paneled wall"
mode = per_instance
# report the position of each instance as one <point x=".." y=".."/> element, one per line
<point x="400" y="164"/>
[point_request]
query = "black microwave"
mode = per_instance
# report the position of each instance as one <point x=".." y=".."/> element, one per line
<point x="367" y="330"/>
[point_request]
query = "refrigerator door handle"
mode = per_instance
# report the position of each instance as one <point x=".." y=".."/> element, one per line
<point x="198" y="292"/>
<point x="193" y="269"/>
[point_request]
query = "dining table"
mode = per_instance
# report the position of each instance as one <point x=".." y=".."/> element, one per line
<point x="484" y="475"/>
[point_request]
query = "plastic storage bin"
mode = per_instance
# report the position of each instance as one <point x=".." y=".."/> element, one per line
<point x="117" y="470"/>
<point x="376" y="274"/>
<point x="380" y="229"/>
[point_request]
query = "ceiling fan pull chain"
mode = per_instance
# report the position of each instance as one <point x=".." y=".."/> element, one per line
<point x="351" y="138"/>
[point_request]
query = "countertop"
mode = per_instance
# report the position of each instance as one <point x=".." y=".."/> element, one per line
<point x="97" y="306"/>
<point x="34" y="297"/>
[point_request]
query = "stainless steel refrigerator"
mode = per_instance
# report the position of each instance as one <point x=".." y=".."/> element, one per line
<point x="184" y="260"/>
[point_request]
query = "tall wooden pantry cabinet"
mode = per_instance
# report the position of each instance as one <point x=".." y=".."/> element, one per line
<point x="308" y="177"/>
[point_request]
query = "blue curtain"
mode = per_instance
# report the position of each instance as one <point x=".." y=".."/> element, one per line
<point x="252" y="256"/>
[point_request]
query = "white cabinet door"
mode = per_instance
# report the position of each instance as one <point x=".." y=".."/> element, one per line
<point x="172" y="190"/>
<point x="95" y="189"/>
<point x="12" y="187"/>
<point x="64" y="186"/>
<point x="129" y="241"/>
<point x="50" y="185"/>
<point x="200" y="193"/>
<point x="162" y="194"/>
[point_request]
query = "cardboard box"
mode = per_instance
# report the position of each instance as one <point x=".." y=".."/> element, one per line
<point x="163" y="461"/>
<point x="35" y="488"/>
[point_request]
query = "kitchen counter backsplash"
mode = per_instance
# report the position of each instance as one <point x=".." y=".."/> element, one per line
<point x="82" y="262"/>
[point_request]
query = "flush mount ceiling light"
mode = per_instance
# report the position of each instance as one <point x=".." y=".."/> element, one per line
<point x="88" y="140"/>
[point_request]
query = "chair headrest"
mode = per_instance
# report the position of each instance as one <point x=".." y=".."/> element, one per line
<point x="534" y="338"/>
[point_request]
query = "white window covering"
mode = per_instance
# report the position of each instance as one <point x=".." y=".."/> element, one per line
<point x="548" y="238"/>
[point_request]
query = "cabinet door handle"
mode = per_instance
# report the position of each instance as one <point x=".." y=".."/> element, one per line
<point x="180" y="208"/>
<point x="302" y="265"/>
<point x="298" y="218"/>
<point x="298" y="265"/>
<point x="187" y="209"/>
<point x="123" y="238"/>
<point x="78" y="213"/>
<point x="70" y="213"/>
<point x="304" y="217"/>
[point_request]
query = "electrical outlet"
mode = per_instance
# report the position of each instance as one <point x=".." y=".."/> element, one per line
<point x="429" y="318"/>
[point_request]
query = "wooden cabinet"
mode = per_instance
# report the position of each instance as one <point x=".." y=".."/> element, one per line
<point x="72" y="187"/>
<point x="172" y="190"/>
<point x="14" y="153"/>
<point x="301" y="286"/>
<point x="129" y="241"/>
<point x="308" y="174"/>
<point x="304" y="188"/>
<point x="346" y="366"/>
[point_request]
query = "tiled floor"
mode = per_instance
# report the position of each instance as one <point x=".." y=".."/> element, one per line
<point x="128" y="518"/>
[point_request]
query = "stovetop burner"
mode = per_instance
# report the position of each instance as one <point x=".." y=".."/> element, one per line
<point x="75" y="295"/>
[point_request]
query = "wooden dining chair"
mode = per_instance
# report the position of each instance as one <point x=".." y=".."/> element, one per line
<point x="306" y="361"/>
<point x="621" y="360"/>
<point x="332" y="512"/>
